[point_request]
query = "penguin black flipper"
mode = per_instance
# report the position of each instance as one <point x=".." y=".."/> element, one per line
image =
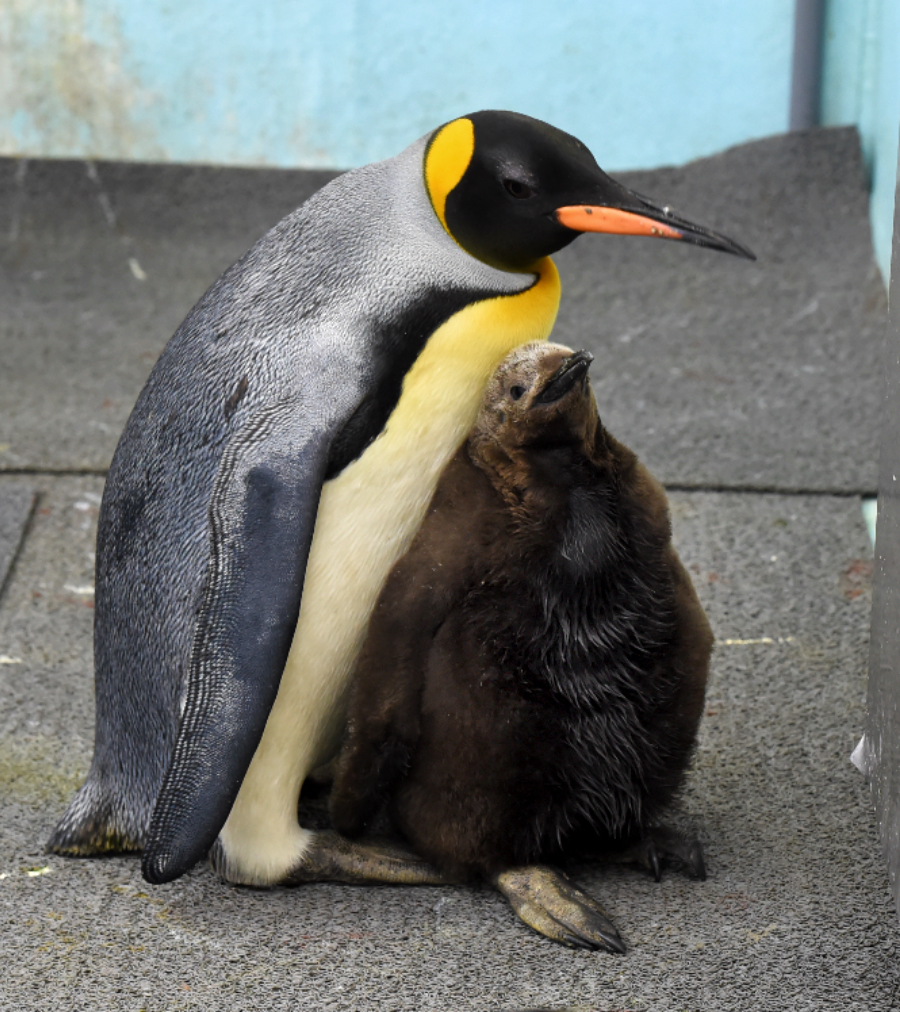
<point x="262" y="516"/>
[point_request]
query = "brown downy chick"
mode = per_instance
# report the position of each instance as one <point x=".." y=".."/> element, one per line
<point x="534" y="671"/>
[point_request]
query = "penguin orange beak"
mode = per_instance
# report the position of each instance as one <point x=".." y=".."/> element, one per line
<point x="645" y="219"/>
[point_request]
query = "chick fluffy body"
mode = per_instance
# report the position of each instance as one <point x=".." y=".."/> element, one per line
<point x="534" y="671"/>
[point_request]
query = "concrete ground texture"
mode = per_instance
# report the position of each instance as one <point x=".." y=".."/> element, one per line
<point x="751" y="390"/>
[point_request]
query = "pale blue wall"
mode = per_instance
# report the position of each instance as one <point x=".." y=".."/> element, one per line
<point x="342" y="82"/>
<point x="861" y="85"/>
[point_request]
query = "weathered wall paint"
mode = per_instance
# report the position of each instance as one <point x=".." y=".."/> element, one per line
<point x="861" y="85"/>
<point x="342" y="82"/>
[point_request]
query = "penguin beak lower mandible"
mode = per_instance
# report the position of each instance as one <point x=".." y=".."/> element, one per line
<point x="644" y="218"/>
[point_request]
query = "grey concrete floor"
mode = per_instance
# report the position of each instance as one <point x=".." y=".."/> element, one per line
<point x="752" y="390"/>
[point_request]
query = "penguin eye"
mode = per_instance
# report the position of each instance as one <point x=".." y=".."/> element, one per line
<point x="516" y="188"/>
<point x="516" y="392"/>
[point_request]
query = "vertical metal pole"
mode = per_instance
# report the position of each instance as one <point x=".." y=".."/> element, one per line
<point x="881" y="749"/>
<point x="806" y="70"/>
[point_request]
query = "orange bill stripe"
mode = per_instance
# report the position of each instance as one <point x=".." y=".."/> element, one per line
<point x="582" y="218"/>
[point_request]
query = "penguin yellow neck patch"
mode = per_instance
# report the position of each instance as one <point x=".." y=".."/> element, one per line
<point x="446" y="161"/>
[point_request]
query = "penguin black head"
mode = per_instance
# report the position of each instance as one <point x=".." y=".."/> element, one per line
<point x="539" y="396"/>
<point x="511" y="189"/>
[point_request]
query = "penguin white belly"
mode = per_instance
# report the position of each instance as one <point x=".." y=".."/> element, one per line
<point x="367" y="518"/>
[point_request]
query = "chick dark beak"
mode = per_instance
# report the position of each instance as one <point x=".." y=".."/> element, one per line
<point x="631" y="214"/>
<point x="564" y="379"/>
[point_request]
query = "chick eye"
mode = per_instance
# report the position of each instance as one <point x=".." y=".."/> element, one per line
<point x="516" y="392"/>
<point x="516" y="188"/>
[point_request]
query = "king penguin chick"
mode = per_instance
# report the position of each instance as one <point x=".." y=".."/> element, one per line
<point x="279" y="461"/>
<point x="534" y="670"/>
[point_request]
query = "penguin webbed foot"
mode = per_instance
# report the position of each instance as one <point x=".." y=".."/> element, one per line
<point x="657" y="847"/>
<point x="91" y="827"/>
<point x="100" y="842"/>
<point x="333" y="858"/>
<point x="554" y="907"/>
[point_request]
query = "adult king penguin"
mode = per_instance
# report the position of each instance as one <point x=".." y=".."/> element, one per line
<point x="288" y="441"/>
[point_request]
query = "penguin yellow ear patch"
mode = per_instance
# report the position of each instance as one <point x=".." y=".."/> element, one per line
<point x="446" y="161"/>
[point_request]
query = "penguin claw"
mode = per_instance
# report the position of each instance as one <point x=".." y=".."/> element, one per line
<point x="576" y="942"/>
<point x="550" y="904"/>
<point x="685" y="850"/>
<point x="695" y="861"/>
<point x="653" y="860"/>
<point x="659" y="844"/>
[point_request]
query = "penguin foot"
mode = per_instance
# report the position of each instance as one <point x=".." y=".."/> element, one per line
<point x="90" y="841"/>
<point x="89" y="827"/>
<point x="659" y="845"/>
<point x="332" y="858"/>
<point x="548" y="902"/>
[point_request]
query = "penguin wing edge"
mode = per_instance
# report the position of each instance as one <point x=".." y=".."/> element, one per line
<point x="262" y="516"/>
